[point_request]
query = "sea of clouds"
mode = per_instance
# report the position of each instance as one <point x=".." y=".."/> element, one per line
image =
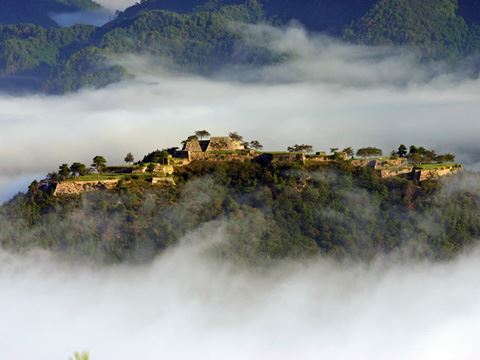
<point x="330" y="95"/>
<point x="187" y="305"/>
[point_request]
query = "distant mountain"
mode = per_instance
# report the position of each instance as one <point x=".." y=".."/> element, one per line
<point x="316" y="15"/>
<point x="197" y="35"/>
<point x="37" y="11"/>
<point x="432" y="26"/>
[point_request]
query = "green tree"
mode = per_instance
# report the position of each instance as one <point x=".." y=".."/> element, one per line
<point x="445" y="158"/>
<point x="369" y="152"/>
<point x="201" y="134"/>
<point x="190" y="138"/>
<point x="236" y="137"/>
<point x="129" y="158"/>
<point x="402" y="151"/>
<point x="151" y="167"/>
<point x="78" y="169"/>
<point x="64" y="171"/>
<point x="349" y="151"/>
<point x="301" y="148"/>
<point x="255" y="144"/>
<point x="99" y="163"/>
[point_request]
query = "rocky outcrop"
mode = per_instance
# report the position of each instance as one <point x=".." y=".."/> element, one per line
<point x="68" y="188"/>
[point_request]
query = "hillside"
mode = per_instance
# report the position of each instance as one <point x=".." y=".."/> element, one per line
<point x="199" y="36"/>
<point x="37" y="11"/>
<point x="272" y="205"/>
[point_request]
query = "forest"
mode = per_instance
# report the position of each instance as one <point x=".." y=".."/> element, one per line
<point x="267" y="213"/>
<point x="203" y="36"/>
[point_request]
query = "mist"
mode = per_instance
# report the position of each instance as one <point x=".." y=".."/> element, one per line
<point x="188" y="305"/>
<point x="330" y="94"/>
<point x="95" y="17"/>
<point x="116" y="4"/>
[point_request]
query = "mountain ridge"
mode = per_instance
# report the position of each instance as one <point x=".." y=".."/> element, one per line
<point x="195" y="36"/>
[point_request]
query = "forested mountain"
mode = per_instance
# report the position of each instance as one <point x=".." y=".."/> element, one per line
<point x="38" y="11"/>
<point x="197" y="35"/>
<point x="273" y="212"/>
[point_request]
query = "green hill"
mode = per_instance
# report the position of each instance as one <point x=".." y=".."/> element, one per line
<point x="269" y="212"/>
<point x="200" y="36"/>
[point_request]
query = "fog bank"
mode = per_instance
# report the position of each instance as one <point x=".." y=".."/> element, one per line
<point x="116" y="4"/>
<point x="186" y="305"/>
<point x="96" y="18"/>
<point x="329" y="94"/>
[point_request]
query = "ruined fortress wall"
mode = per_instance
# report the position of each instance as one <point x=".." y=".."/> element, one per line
<point x="163" y="181"/>
<point x="67" y="188"/>
<point x="394" y="172"/>
<point x="363" y="162"/>
<point x="221" y="156"/>
<point x="160" y="169"/>
<point x="400" y="162"/>
<point x="434" y="174"/>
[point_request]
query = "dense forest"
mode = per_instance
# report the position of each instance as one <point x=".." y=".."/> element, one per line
<point x="264" y="213"/>
<point x="202" y="36"/>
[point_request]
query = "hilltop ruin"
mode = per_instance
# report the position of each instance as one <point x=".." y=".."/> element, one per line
<point x="225" y="148"/>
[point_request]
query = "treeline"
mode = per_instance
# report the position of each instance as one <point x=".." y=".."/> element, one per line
<point x="266" y="213"/>
<point x="202" y="36"/>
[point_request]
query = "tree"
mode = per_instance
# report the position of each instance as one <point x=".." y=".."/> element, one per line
<point x="78" y="169"/>
<point x="236" y="137"/>
<point x="129" y="158"/>
<point x="202" y="134"/>
<point x="334" y="150"/>
<point x="99" y="163"/>
<point x="349" y="151"/>
<point x="151" y="167"/>
<point x="157" y="156"/>
<point x="369" y="152"/>
<point x="301" y="148"/>
<point x="190" y="138"/>
<point x="402" y="151"/>
<point x="445" y="158"/>
<point x="63" y="171"/>
<point x="255" y="144"/>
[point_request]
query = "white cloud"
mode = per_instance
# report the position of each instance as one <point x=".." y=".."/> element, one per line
<point x="96" y="18"/>
<point x="116" y="4"/>
<point x="332" y="94"/>
<point x="186" y="305"/>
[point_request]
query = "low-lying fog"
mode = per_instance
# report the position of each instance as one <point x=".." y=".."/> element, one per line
<point x="331" y="95"/>
<point x="186" y="305"/>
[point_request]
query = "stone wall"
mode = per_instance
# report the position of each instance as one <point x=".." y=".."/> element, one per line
<point x="223" y="156"/>
<point x="385" y="163"/>
<point x="68" y="188"/>
<point x="280" y="158"/>
<point x="163" y="181"/>
<point x="394" y="172"/>
<point x="435" y="174"/>
<point x="159" y="169"/>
